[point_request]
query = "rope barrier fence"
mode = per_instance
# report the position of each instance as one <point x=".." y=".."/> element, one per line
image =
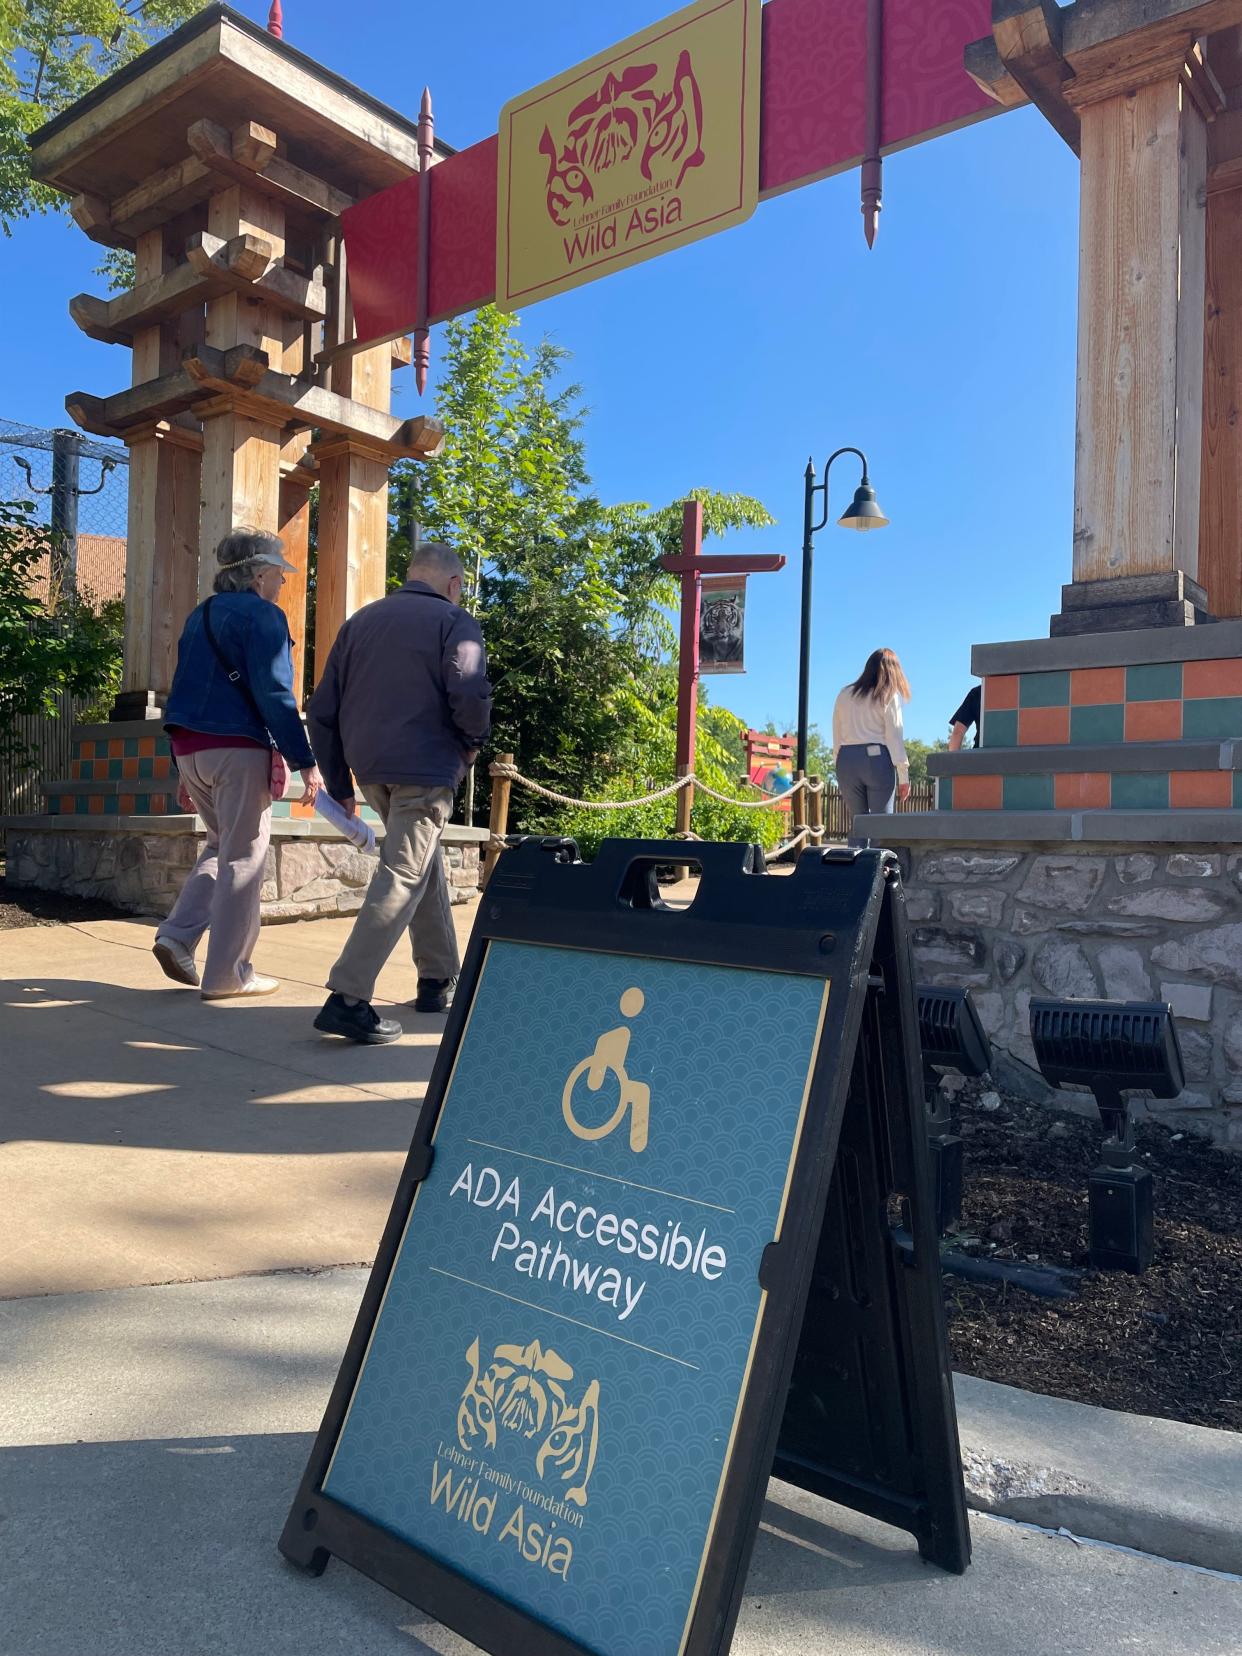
<point x="804" y="792"/>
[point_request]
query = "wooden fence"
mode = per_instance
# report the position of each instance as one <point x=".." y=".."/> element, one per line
<point x="51" y="743"/>
<point x="922" y="798"/>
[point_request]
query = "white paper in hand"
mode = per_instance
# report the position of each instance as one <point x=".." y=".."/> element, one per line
<point x="354" y="828"/>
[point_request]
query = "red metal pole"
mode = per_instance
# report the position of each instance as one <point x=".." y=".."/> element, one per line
<point x="422" y="332"/>
<point x="873" y="165"/>
<point x="688" y="657"/>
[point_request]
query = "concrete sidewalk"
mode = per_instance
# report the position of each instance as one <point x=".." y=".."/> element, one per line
<point x="196" y="1140"/>
<point x="153" y="1139"/>
<point x="155" y="1438"/>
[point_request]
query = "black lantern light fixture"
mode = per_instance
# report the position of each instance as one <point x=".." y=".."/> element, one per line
<point x="1114" y="1048"/>
<point x="864" y="513"/>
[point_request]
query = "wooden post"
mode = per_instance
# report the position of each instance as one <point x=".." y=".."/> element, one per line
<point x="241" y="452"/>
<point x="1220" y="523"/>
<point x="797" y="808"/>
<point x="1140" y="340"/>
<point x="498" y="822"/>
<point x="293" y="513"/>
<point x="688" y="652"/>
<point x="353" y="504"/>
<point x="162" y="533"/>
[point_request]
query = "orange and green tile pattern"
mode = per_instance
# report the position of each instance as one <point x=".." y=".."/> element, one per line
<point x="138" y="774"/>
<point x="1169" y="701"/>
<point x="1172" y="790"/>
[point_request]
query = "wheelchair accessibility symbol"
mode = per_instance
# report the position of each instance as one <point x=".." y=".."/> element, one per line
<point x="609" y="1057"/>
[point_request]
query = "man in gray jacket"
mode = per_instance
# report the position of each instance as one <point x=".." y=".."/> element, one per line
<point x="405" y="705"/>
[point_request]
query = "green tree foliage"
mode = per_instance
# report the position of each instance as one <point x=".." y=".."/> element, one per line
<point x="53" y="52"/>
<point x="916" y="753"/>
<point x="68" y="645"/>
<point x="571" y="595"/>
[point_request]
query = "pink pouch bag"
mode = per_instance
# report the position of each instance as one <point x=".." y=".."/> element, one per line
<point x="280" y="778"/>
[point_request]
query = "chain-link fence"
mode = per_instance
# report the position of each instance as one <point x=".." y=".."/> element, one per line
<point x="79" y="486"/>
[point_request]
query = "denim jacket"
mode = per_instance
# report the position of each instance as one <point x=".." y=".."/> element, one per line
<point x="253" y="637"/>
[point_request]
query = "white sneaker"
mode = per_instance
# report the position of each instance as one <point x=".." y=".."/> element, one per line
<point x="257" y="985"/>
<point x="176" y="961"/>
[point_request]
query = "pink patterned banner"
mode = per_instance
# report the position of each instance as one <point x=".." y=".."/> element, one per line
<point x="813" y="113"/>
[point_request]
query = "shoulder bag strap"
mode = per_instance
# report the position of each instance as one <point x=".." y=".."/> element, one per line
<point x="233" y="674"/>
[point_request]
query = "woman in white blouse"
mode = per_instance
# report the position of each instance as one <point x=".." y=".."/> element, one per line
<point x="867" y="741"/>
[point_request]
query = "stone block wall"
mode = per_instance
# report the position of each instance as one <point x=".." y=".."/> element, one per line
<point x="141" y="868"/>
<point x="1125" y="922"/>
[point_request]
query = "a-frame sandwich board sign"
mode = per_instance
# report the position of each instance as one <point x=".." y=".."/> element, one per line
<point x="566" y="1387"/>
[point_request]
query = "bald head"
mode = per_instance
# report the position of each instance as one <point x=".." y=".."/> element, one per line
<point x="436" y="563"/>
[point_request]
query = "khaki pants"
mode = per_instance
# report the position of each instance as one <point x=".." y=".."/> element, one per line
<point x="408" y="892"/>
<point x="231" y="790"/>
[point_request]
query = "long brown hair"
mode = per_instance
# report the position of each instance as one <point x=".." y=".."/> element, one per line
<point x="882" y="678"/>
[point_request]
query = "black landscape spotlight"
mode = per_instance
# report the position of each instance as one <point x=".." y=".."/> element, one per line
<point x="952" y="1038"/>
<point x="1114" y="1048"/>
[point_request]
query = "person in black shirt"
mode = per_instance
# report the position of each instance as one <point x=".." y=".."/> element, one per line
<point x="969" y="713"/>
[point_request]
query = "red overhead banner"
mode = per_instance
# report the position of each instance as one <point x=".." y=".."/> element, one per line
<point x="813" y="120"/>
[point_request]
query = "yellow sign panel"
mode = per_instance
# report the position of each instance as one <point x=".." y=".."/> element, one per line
<point x="642" y="149"/>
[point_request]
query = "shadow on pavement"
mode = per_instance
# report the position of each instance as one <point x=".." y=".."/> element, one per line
<point x="107" y="1065"/>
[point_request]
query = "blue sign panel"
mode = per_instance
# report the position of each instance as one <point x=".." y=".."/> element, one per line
<point x="552" y="1386"/>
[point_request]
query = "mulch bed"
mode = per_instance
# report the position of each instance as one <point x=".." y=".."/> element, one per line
<point x="19" y="907"/>
<point x="1166" y="1343"/>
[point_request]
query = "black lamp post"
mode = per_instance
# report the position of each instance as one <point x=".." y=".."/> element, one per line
<point x="864" y="513"/>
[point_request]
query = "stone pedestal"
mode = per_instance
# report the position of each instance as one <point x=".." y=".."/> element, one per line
<point x="140" y="863"/>
<point x="1088" y="905"/>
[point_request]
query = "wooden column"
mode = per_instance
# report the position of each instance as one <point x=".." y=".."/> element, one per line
<point x="241" y="450"/>
<point x="353" y="505"/>
<point x="164" y="486"/>
<point x="1220" y="522"/>
<point x="1140" y="338"/>
<point x="293" y="525"/>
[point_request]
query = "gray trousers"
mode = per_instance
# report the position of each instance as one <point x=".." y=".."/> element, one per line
<point x="231" y="790"/>
<point x="408" y="891"/>
<point x="867" y="779"/>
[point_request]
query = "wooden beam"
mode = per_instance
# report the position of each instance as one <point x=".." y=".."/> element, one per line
<point x="1093" y="29"/>
<point x="290" y="292"/>
<point x="92" y="214"/>
<point x="285" y="400"/>
<point x="355" y="347"/>
<point x="985" y="66"/>
<point x="1111" y="46"/>
<point x="242" y="259"/>
<point x="212" y="267"/>
<point x="278" y="178"/>
<point x="1028" y="38"/>
<point x="163" y="196"/>
<point x="242" y="375"/>
<point x="253" y="146"/>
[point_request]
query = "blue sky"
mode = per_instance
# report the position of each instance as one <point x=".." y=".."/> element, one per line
<point x="947" y="353"/>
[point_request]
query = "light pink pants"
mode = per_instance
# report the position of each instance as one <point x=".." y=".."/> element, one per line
<point x="231" y="790"/>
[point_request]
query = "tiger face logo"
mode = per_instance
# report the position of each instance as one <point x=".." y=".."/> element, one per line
<point x="524" y="1391"/>
<point x="626" y="119"/>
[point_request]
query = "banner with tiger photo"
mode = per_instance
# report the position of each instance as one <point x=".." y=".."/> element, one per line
<point x="722" y="624"/>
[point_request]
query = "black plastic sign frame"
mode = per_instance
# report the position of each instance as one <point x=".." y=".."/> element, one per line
<point x="839" y="919"/>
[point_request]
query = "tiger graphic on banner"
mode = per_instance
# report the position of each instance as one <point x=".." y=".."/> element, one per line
<point x="643" y="148"/>
<point x="626" y="118"/>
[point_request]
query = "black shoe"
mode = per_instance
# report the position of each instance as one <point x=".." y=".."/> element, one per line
<point x="434" y="994"/>
<point x="360" y="1022"/>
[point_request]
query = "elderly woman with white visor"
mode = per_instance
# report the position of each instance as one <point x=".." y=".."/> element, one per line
<point x="231" y="716"/>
